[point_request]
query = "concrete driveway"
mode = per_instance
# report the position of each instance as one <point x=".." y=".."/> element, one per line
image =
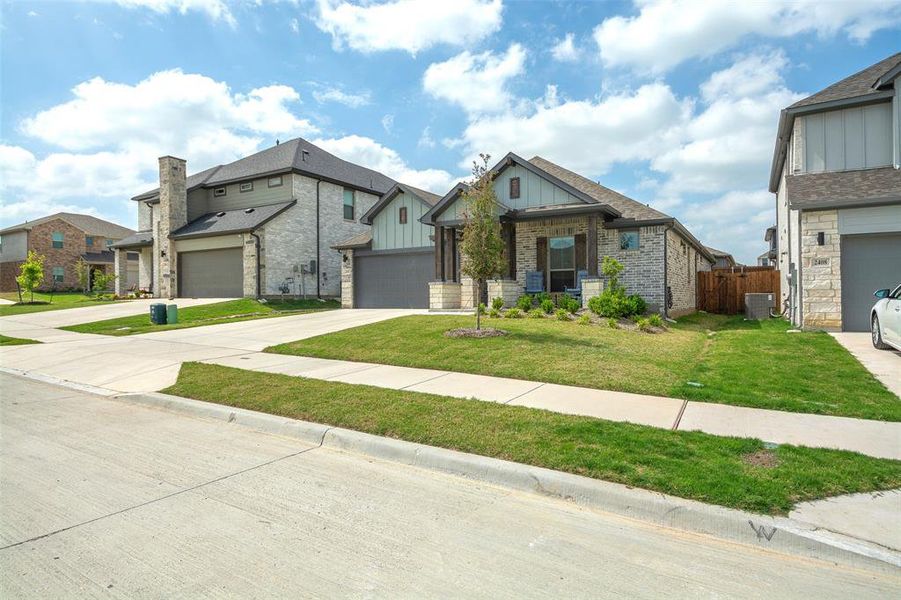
<point x="885" y="365"/>
<point x="150" y="362"/>
<point x="101" y="498"/>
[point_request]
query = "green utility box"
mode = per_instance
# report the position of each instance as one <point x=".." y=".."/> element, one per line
<point x="172" y="314"/>
<point x="158" y="314"/>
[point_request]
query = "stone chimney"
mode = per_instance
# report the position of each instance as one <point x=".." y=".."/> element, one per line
<point x="173" y="209"/>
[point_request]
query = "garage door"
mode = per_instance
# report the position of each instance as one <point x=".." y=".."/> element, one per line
<point x="869" y="263"/>
<point x="393" y="280"/>
<point x="211" y="274"/>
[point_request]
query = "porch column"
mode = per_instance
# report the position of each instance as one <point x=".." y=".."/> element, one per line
<point x="439" y="253"/>
<point x="449" y="243"/>
<point x="510" y="248"/>
<point x="591" y="252"/>
<point x="121" y="271"/>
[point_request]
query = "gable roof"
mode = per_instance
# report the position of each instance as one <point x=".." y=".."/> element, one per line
<point x="869" y="85"/>
<point x="297" y="155"/>
<point x="427" y="198"/>
<point x="87" y="223"/>
<point x="231" y="221"/>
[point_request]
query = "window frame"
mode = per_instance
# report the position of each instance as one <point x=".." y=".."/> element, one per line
<point x="245" y="187"/>
<point x="61" y="241"/>
<point x="89" y="240"/>
<point x="402" y="215"/>
<point x="61" y="278"/>
<point x="216" y="192"/>
<point x="551" y="270"/>
<point x="624" y="232"/>
<point x="275" y="181"/>
<point x="352" y="205"/>
<point x="109" y="243"/>
<point x="518" y="188"/>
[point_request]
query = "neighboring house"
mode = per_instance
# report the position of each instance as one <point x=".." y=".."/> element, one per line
<point x="63" y="239"/>
<point x="837" y="182"/>
<point x="254" y="227"/>
<point x="765" y="260"/>
<point x="553" y="221"/>
<point x="771" y="237"/>
<point x="724" y="260"/>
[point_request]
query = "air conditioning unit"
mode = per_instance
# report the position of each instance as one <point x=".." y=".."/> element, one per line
<point x="757" y="306"/>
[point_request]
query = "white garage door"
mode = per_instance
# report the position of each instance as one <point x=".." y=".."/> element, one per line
<point x="211" y="274"/>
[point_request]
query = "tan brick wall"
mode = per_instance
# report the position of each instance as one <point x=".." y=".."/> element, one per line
<point x="643" y="268"/>
<point x="509" y="291"/>
<point x="40" y="240"/>
<point x="683" y="264"/>
<point x="821" y="277"/>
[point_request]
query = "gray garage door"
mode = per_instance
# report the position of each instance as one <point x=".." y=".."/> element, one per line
<point x="393" y="280"/>
<point x="211" y="274"/>
<point x="869" y="263"/>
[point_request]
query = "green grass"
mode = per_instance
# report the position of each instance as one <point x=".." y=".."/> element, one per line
<point x="740" y="363"/>
<point x="11" y="341"/>
<point x="691" y="465"/>
<point x="57" y="301"/>
<point x="230" y="311"/>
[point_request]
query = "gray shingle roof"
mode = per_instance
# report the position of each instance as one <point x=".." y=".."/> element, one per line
<point x="427" y="197"/>
<point x="135" y="240"/>
<point x="90" y="225"/>
<point x="630" y="209"/>
<point x="854" y="86"/>
<point x="294" y="155"/>
<point x="844" y="188"/>
<point x="361" y="240"/>
<point x="231" y="221"/>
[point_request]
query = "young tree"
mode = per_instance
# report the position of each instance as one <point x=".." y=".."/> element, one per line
<point x="31" y="273"/>
<point x="83" y="275"/>
<point x="103" y="281"/>
<point x="482" y="247"/>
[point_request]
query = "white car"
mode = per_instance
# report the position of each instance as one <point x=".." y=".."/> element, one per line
<point x="885" y="319"/>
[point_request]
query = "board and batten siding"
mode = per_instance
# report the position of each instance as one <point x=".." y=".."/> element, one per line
<point x="852" y="138"/>
<point x="389" y="234"/>
<point x="202" y="201"/>
<point x="871" y="219"/>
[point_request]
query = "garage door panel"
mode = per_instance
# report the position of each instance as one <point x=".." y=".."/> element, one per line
<point x="393" y="280"/>
<point x="211" y="274"/>
<point x="869" y="263"/>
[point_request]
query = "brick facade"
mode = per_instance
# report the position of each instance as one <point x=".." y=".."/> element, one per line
<point x="643" y="268"/>
<point x="683" y="264"/>
<point x="821" y="276"/>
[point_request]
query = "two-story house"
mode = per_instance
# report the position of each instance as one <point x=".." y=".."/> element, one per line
<point x="837" y="182"/>
<point x="62" y="239"/>
<point x="259" y="226"/>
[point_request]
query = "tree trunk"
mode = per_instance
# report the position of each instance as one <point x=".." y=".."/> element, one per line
<point x="478" y="304"/>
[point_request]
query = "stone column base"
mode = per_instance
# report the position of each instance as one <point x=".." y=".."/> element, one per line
<point x="469" y="293"/>
<point x="591" y="288"/>
<point x="444" y="295"/>
<point x="121" y="272"/>
<point x="347" y="279"/>
<point x="507" y="289"/>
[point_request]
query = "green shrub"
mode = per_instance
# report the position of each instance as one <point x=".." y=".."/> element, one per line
<point x="562" y="314"/>
<point x="497" y="303"/>
<point x="536" y="313"/>
<point x="513" y="313"/>
<point x="482" y="308"/>
<point x="584" y="320"/>
<point x="656" y="320"/>
<point x="524" y="303"/>
<point x="612" y="323"/>
<point x="570" y="304"/>
<point x="542" y="296"/>
<point x="494" y="313"/>
<point x="615" y="303"/>
<point x="547" y="305"/>
<point x="643" y="324"/>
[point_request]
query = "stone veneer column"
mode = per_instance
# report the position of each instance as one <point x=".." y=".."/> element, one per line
<point x="591" y="287"/>
<point x="173" y="215"/>
<point x="250" y="265"/>
<point x="121" y="271"/>
<point x="507" y="289"/>
<point x="444" y="295"/>
<point x="347" y="279"/>
<point x="821" y="276"/>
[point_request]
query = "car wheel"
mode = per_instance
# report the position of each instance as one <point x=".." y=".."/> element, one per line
<point x="877" y="335"/>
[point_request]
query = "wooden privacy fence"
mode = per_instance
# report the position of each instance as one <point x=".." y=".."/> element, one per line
<point x="723" y="291"/>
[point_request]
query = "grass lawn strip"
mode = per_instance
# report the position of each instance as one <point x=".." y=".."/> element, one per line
<point x="231" y="311"/>
<point x="718" y="470"/>
<point x="754" y="364"/>
<point x="11" y="341"/>
<point x="59" y="301"/>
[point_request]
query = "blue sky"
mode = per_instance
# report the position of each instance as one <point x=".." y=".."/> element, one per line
<point x="675" y="105"/>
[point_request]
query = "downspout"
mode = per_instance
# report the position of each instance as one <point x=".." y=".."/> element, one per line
<point x="257" y="244"/>
<point x="665" y="270"/>
<point x="318" y="265"/>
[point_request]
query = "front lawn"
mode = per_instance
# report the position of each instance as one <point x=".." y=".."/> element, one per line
<point x="734" y="361"/>
<point x="11" y="341"/>
<point x="733" y="472"/>
<point x="229" y="311"/>
<point x="45" y="302"/>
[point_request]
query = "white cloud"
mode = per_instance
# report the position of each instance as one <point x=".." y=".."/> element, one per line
<point x="341" y="97"/>
<point x="215" y="9"/>
<point x="477" y="82"/>
<point x="110" y="135"/>
<point x="294" y="24"/>
<point x="388" y="123"/>
<point x="565" y="50"/>
<point x="734" y="222"/>
<point x="425" y="139"/>
<point x="407" y="25"/>
<point x="369" y="153"/>
<point x="665" y="32"/>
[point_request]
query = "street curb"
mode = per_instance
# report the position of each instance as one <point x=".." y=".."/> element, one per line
<point x="777" y="534"/>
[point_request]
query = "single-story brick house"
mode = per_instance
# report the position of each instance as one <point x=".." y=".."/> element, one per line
<point x="62" y="239"/>
<point x="553" y="221"/>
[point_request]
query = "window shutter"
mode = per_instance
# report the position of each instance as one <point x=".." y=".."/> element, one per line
<point x="541" y="256"/>
<point x="581" y="258"/>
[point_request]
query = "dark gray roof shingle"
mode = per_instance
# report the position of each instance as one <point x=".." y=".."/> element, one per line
<point x="361" y="240"/>
<point x="105" y="257"/>
<point x="231" y="221"/>
<point x="857" y="85"/>
<point x="135" y="240"/>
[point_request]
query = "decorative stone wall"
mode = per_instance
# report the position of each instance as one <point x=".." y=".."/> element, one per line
<point x="821" y="277"/>
<point x="249" y="256"/>
<point x="444" y="295"/>
<point x="347" y="279"/>
<point x="591" y="287"/>
<point x="507" y="289"/>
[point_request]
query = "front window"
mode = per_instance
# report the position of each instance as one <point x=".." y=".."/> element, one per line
<point x="89" y="240"/>
<point x="348" y="204"/>
<point x="628" y="240"/>
<point x="109" y="243"/>
<point x="57" y="238"/>
<point x="562" y="263"/>
<point x="59" y="274"/>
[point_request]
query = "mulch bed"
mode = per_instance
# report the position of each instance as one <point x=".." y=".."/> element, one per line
<point x="472" y="332"/>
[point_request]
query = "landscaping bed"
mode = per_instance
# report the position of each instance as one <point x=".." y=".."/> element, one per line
<point x="230" y="311"/>
<point x="733" y="472"/>
<point x="44" y="301"/>
<point x="710" y="358"/>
